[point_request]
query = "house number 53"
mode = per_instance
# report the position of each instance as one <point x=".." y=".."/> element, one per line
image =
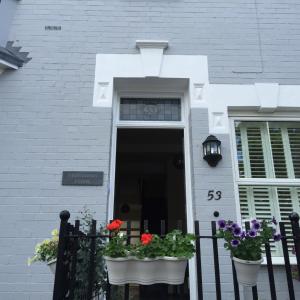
<point x="214" y="195"/>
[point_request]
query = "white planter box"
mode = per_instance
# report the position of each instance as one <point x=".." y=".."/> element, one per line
<point x="52" y="265"/>
<point x="247" y="271"/>
<point x="170" y="270"/>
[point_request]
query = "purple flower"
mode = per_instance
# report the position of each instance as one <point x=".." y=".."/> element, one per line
<point x="277" y="237"/>
<point x="254" y="221"/>
<point x="243" y="235"/>
<point x="228" y="228"/>
<point x="235" y="243"/>
<point x="237" y="231"/>
<point x="256" y="226"/>
<point x="222" y="224"/>
<point x="274" y="221"/>
<point x="252" y="233"/>
<point x="234" y="225"/>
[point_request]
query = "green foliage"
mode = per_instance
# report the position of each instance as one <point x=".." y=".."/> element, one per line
<point x="116" y="246"/>
<point x="46" y="250"/>
<point x="246" y="245"/>
<point x="151" y="250"/>
<point x="83" y="259"/>
<point x="177" y="244"/>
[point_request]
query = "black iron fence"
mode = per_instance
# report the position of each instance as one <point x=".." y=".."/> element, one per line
<point x="85" y="285"/>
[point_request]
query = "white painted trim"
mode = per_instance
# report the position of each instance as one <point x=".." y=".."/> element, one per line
<point x="235" y="168"/>
<point x="279" y="260"/>
<point x="163" y="44"/>
<point x="189" y="196"/>
<point x="113" y="155"/>
<point x="268" y="181"/>
<point x="184" y="124"/>
<point x="109" y="67"/>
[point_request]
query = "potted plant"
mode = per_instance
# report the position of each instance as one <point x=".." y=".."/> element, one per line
<point x="151" y="260"/>
<point x="246" y="246"/>
<point x="46" y="251"/>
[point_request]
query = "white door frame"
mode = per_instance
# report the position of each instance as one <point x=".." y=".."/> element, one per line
<point x="183" y="124"/>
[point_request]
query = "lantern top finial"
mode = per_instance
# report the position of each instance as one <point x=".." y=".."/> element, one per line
<point x="211" y="138"/>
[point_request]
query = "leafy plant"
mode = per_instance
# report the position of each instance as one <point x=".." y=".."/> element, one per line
<point x="150" y="246"/>
<point x="46" y="251"/>
<point x="177" y="244"/>
<point x="174" y="244"/>
<point x="247" y="245"/>
<point x="83" y="259"/>
<point x="116" y="247"/>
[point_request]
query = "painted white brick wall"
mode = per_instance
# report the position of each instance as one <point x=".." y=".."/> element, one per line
<point x="48" y="124"/>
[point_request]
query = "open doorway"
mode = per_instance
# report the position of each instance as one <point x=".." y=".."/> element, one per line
<point x="150" y="180"/>
<point x="150" y="185"/>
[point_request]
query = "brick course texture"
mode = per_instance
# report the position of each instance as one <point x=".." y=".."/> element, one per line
<point x="48" y="124"/>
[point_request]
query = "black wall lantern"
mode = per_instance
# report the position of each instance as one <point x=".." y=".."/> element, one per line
<point x="212" y="150"/>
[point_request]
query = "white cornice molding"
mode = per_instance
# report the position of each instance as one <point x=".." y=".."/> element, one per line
<point x="192" y="70"/>
<point x="152" y="55"/>
<point x="268" y="96"/>
<point x="152" y="44"/>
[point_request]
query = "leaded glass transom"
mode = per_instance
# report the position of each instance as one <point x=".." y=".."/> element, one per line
<point x="150" y="109"/>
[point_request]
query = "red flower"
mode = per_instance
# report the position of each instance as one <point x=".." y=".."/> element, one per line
<point x="146" y="238"/>
<point x="114" y="225"/>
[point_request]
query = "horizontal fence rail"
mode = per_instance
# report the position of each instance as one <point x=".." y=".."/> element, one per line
<point x="72" y="241"/>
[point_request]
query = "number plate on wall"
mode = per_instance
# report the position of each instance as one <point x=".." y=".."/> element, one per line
<point x="82" y="178"/>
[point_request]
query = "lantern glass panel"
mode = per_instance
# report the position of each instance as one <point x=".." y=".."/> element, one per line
<point x="214" y="148"/>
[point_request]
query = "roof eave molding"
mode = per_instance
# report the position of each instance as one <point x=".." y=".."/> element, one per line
<point x="11" y="57"/>
<point x="152" y="55"/>
<point x="6" y="65"/>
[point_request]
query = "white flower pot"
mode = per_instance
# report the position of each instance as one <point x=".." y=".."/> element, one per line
<point x="52" y="265"/>
<point x="172" y="270"/>
<point x="147" y="271"/>
<point x="247" y="271"/>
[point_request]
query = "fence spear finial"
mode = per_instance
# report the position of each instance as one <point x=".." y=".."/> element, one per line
<point x="64" y="215"/>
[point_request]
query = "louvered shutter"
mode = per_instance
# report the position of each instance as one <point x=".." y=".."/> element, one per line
<point x="269" y="150"/>
<point x="278" y="155"/>
<point x="256" y="155"/>
<point x="294" y="139"/>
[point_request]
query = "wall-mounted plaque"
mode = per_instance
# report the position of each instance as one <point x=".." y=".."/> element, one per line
<point x="82" y="178"/>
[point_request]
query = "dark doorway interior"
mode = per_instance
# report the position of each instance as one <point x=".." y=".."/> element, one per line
<point x="150" y="185"/>
<point x="150" y="177"/>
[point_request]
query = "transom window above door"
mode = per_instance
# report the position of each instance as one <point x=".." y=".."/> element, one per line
<point x="150" y="109"/>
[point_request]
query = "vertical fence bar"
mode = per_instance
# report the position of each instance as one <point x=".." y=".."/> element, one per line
<point x="92" y="260"/>
<point x="128" y="233"/>
<point x="74" y="259"/>
<point x="287" y="261"/>
<point x="180" y="225"/>
<point x="162" y="227"/>
<point x="294" y="217"/>
<point x="60" y="273"/>
<point x="162" y="234"/>
<point x="235" y="282"/>
<point x="270" y="271"/>
<point x="198" y="261"/>
<point x="146" y="225"/>
<point x="216" y="261"/>
<point x="254" y="288"/>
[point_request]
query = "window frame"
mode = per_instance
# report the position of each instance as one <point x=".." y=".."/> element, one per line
<point x="280" y="182"/>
